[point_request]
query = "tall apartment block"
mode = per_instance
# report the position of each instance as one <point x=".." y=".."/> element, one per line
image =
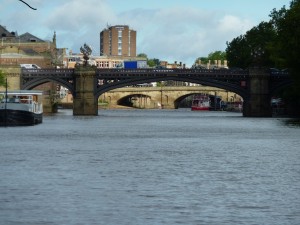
<point x="118" y="41"/>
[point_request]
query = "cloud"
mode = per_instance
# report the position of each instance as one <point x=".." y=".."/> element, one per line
<point x="183" y="34"/>
<point x="168" y="33"/>
<point x="77" y="15"/>
<point x="233" y="24"/>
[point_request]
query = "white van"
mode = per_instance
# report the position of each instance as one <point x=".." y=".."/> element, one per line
<point x="29" y="66"/>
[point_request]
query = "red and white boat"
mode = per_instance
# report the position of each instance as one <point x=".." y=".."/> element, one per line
<point x="200" y="102"/>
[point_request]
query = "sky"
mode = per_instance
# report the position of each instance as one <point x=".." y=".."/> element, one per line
<point x="171" y="30"/>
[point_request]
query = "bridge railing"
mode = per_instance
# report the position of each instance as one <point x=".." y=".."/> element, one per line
<point x="276" y="72"/>
<point x="171" y="72"/>
<point x="48" y="72"/>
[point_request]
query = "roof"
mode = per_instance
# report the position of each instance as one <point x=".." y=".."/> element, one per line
<point x="6" y="33"/>
<point x="27" y="37"/>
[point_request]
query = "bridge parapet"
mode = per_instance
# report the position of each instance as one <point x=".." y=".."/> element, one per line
<point x="48" y="72"/>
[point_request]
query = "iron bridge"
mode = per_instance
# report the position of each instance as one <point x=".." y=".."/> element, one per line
<point x="107" y="79"/>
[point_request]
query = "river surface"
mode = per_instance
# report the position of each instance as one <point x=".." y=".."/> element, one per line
<point x="148" y="167"/>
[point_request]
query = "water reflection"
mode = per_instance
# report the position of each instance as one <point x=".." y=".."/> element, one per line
<point x="293" y="122"/>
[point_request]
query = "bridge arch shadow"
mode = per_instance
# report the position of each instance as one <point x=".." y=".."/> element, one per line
<point x="135" y="101"/>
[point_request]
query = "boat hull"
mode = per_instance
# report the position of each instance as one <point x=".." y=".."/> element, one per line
<point x="9" y="117"/>
<point x="197" y="108"/>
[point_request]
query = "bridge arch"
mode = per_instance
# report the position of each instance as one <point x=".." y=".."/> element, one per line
<point x="38" y="81"/>
<point x="204" y="81"/>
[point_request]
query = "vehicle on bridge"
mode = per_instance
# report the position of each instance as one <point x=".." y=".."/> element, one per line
<point x="29" y="66"/>
<point x="21" y="108"/>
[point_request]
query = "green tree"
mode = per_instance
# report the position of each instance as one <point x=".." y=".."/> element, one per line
<point x="287" y="25"/>
<point x="253" y="48"/>
<point x="217" y="55"/>
<point x="2" y="79"/>
<point x="153" y="62"/>
<point x="142" y="55"/>
<point x="238" y="52"/>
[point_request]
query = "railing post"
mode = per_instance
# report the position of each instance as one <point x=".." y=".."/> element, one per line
<point x="84" y="101"/>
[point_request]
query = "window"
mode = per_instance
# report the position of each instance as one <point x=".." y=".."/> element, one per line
<point x="119" y="33"/>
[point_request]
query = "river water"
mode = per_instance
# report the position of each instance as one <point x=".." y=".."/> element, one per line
<point x="150" y="167"/>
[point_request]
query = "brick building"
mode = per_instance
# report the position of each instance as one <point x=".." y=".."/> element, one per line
<point x="119" y="41"/>
<point x="28" y="49"/>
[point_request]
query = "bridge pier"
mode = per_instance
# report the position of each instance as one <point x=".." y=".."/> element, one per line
<point x="84" y="101"/>
<point x="258" y="103"/>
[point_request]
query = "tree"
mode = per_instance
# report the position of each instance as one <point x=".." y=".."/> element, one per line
<point x="142" y="55"/>
<point x="86" y="51"/>
<point x="2" y="79"/>
<point x="287" y="25"/>
<point x="153" y="62"/>
<point x="217" y="55"/>
<point x="238" y="52"/>
<point x="254" y="48"/>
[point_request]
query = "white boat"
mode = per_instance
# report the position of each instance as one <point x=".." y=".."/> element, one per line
<point x="200" y="102"/>
<point x="22" y="107"/>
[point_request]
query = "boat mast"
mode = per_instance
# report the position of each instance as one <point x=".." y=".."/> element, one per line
<point x="5" y="105"/>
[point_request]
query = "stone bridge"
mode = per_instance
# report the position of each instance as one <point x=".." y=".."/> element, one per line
<point x="167" y="96"/>
<point x="255" y="85"/>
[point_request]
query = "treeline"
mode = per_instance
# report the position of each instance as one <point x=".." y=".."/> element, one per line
<point x="273" y="44"/>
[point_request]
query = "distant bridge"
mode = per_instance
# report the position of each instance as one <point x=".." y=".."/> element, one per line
<point x="255" y="85"/>
<point x="168" y="97"/>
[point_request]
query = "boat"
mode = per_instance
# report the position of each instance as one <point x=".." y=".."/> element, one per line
<point x="200" y="102"/>
<point x="21" y="108"/>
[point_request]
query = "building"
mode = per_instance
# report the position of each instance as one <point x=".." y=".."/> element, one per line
<point x="28" y="49"/>
<point x="118" y="41"/>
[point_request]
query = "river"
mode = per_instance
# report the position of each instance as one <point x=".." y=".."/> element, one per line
<point x="146" y="167"/>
